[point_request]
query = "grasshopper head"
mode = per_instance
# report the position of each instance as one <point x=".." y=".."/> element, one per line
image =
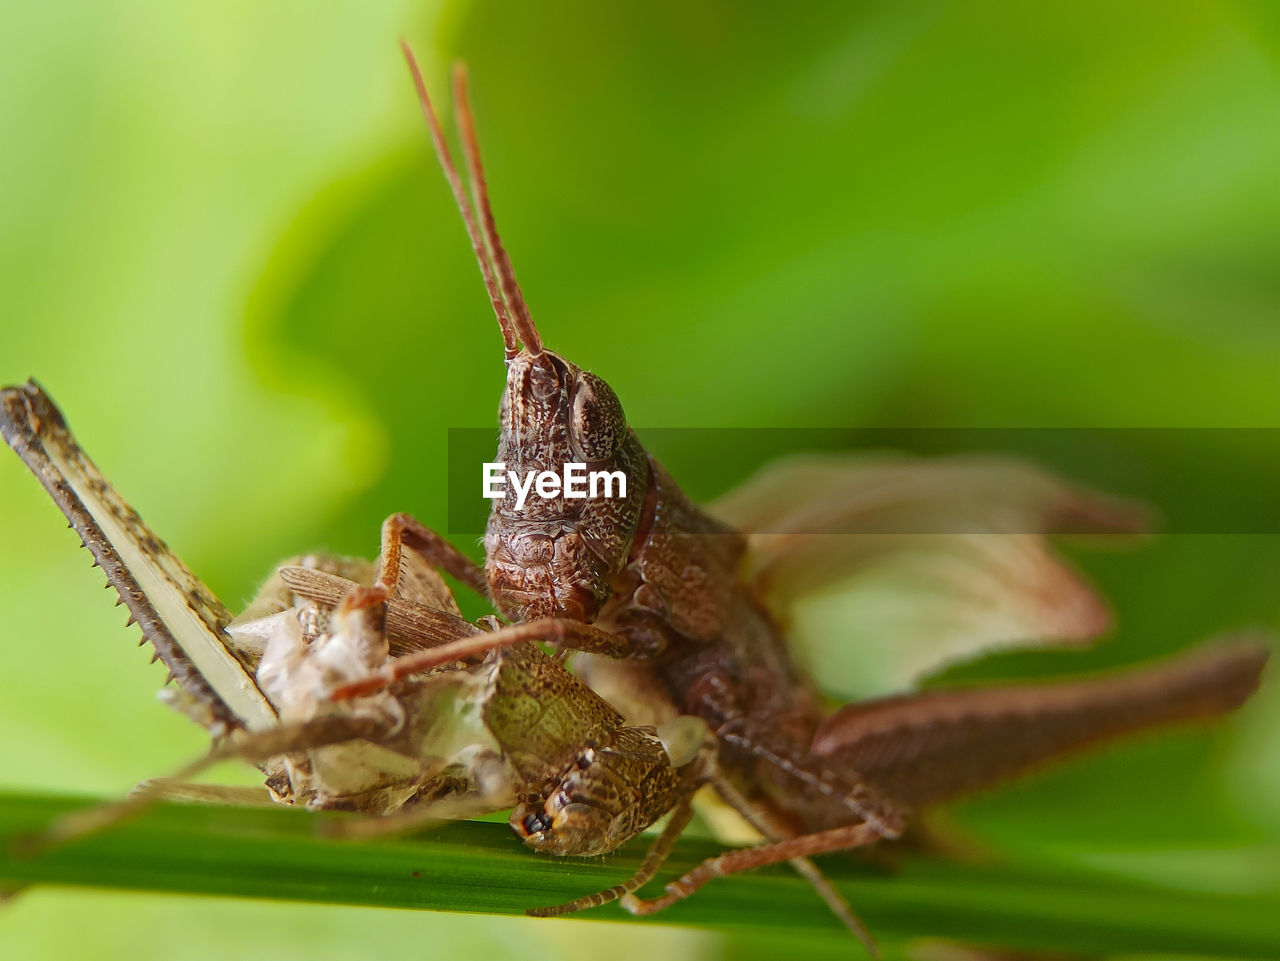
<point x="556" y="555"/>
<point x="613" y="791"/>
<point x="551" y="551"/>
<point x="575" y="830"/>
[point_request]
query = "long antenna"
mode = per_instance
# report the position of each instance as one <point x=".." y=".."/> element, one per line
<point x="464" y="205"/>
<point x="506" y="273"/>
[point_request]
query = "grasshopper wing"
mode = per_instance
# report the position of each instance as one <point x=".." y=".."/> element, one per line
<point x="178" y="614"/>
<point x="920" y="562"/>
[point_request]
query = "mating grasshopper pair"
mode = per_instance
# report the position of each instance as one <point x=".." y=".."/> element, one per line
<point x="683" y="607"/>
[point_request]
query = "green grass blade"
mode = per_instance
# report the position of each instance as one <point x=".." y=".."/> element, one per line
<point x="481" y="867"/>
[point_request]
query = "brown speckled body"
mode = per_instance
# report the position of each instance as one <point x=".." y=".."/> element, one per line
<point x="656" y="572"/>
<point x="718" y="656"/>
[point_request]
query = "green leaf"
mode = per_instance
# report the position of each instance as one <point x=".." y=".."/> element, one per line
<point x="480" y="867"/>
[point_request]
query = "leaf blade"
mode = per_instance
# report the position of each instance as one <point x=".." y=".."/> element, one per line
<point x="479" y="867"/>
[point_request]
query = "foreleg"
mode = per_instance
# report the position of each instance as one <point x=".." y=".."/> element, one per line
<point x="402" y="530"/>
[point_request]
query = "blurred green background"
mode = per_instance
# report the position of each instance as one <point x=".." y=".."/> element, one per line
<point x="227" y="252"/>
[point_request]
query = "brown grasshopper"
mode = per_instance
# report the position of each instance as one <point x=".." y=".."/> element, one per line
<point x="689" y="604"/>
<point x="510" y="729"/>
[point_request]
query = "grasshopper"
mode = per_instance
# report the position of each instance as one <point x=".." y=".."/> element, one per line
<point x="511" y="729"/>
<point x="690" y="606"/>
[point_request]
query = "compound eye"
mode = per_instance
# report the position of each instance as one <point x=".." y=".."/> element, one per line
<point x="599" y="425"/>
<point x="536" y="823"/>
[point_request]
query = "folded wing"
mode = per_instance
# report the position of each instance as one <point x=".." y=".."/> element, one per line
<point x="884" y="568"/>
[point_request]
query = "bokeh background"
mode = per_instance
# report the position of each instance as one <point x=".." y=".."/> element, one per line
<point x="226" y="250"/>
